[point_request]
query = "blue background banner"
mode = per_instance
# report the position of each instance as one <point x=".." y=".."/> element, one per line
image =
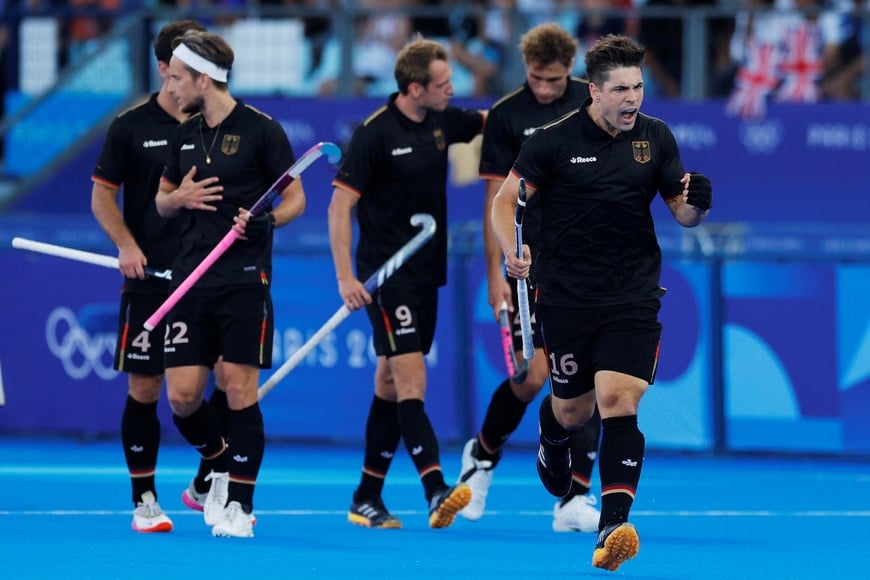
<point x="766" y="342"/>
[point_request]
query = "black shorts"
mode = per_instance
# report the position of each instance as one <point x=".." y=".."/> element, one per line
<point x="235" y="322"/>
<point x="403" y="320"/>
<point x="138" y="351"/>
<point x="582" y="341"/>
<point x="516" y="327"/>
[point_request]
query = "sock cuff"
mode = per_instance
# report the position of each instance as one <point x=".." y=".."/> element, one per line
<point x="620" y="425"/>
<point x="252" y="413"/>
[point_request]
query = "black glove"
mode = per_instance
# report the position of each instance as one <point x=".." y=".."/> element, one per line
<point x="700" y="191"/>
<point x="259" y="227"/>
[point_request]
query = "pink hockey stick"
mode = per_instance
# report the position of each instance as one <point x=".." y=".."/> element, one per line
<point x="333" y="154"/>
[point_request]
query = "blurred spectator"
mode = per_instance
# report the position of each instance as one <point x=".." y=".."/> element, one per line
<point x="780" y="54"/>
<point x="379" y="37"/>
<point x="842" y="56"/>
<point x="662" y="36"/>
<point x="88" y="21"/>
<point x="211" y="13"/>
<point x="431" y="26"/>
<point x="317" y="28"/>
<point x="597" y="18"/>
<point x="477" y="42"/>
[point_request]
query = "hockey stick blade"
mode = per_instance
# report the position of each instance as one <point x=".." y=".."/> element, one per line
<point x="516" y="371"/>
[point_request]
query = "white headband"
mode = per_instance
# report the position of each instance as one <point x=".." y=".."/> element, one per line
<point x="200" y="64"/>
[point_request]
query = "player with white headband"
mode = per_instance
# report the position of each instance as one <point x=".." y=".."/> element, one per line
<point x="221" y="161"/>
<point x="200" y="64"/>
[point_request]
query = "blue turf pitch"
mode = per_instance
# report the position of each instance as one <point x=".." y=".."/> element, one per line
<point x="65" y="513"/>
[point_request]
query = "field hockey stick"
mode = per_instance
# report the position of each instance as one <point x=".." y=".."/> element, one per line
<point x="516" y="370"/>
<point x="81" y="256"/>
<point x="333" y="154"/>
<point x="523" y="285"/>
<point x="375" y="281"/>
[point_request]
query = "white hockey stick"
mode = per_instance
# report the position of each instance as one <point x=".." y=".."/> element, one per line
<point x="427" y="222"/>
<point x="81" y="256"/>
<point x="523" y="285"/>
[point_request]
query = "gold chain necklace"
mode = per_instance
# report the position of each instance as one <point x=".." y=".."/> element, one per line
<point x="213" y="141"/>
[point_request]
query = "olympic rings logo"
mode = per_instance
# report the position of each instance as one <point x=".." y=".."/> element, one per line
<point x="78" y="351"/>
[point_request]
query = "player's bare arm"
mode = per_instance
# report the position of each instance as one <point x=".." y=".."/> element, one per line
<point x="104" y="206"/>
<point x="351" y="290"/>
<point x="503" y="209"/>
<point x="499" y="289"/>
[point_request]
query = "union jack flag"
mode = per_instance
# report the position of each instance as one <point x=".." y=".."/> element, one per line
<point x="801" y="65"/>
<point x="755" y="81"/>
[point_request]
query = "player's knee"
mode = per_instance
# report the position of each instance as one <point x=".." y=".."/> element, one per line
<point x="527" y="390"/>
<point x="145" y="388"/>
<point x="619" y="402"/>
<point x="573" y="414"/>
<point x="184" y="403"/>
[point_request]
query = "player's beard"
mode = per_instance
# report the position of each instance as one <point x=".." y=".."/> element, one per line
<point x="194" y="106"/>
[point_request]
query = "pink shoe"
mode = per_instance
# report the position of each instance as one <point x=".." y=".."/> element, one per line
<point x="192" y="499"/>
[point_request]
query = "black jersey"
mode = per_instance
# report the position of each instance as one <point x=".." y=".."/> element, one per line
<point x="251" y="151"/>
<point x="510" y="122"/>
<point x="398" y="167"/>
<point x="133" y="155"/>
<point x="598" y="240"/>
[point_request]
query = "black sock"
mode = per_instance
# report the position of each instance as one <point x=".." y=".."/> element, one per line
<point x="552" y="433"/>
<point x="584" y="450"/>
<point x="221" y="410"/>
<point x="619" y="463"/>
<point x="503" y="415"/>
<point x="382" y="440"/>
<point x="140" y="435"/>
<point x="420" y="441"/>
<point x="201" y="431"/>
<point x="245" y="454"/>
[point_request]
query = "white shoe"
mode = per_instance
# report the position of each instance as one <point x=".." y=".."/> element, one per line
<point x="478" y="475"/>
<point x="234" y="523"/>
<point x="578" y="515"/>
<point x="148" y="517"/>
<point x="216" y="500"/>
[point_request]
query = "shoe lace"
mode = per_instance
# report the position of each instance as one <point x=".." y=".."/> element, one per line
<point x="149" y="510"/>
<point x="234" y="511"/>
<point x="219" y="486"/>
